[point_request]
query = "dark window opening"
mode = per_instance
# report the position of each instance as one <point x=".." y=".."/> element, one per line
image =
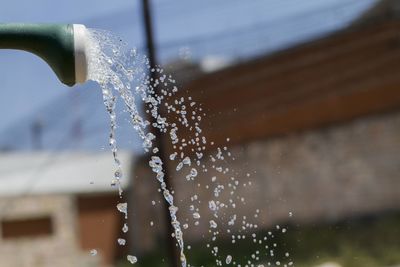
<point x="31" y="227"/>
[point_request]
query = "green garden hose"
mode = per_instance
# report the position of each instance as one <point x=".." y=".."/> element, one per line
<point x="62" y="46"/>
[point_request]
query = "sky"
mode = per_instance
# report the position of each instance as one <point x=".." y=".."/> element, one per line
<point x="22" y="74"/>
<point x="226" y="29"/>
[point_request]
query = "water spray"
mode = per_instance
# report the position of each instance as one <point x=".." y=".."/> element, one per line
<point x="62" y="46"/>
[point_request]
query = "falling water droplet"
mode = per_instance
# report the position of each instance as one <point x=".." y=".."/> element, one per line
<point x="228" y="259"/>
<point x="131" y="259"/>
<point x="125" y="228"/>
<point x="123" y="208"/>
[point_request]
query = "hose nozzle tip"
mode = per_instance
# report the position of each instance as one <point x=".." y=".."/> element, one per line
<point x="80" y="52"/>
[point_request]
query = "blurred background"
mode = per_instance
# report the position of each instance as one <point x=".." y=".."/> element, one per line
<point x="308" y="93"/>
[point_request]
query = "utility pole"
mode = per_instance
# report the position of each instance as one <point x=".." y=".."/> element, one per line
<point x="151" y="52"/>
<point x="37" y="132"/>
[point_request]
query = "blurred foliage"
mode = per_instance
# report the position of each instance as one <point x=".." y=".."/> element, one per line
<point x="369" y="241"/>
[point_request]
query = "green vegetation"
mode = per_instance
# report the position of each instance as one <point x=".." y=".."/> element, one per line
<point x="362" y="242"/>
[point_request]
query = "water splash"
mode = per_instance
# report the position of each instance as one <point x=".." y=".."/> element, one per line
<point x="93" y="252"/>
<point x="123" y="208"/>
<point x="132" y="259"/>
<point x="123" y="74"/>
<point x="116" y="68"/>
<point x="121" y="241"/>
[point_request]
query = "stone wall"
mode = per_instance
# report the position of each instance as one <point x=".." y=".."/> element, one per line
<point x="61" y="248"/>
<point x="326" y="174"/>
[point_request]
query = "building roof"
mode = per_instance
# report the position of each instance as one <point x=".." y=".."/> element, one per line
<point x="383" y="10"/>
<point x="59" y="173"/>
<point x="347" y="75"/>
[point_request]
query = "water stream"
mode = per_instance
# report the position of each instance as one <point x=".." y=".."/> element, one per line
<point x="115" y="69"/>
<point x="123" y="74"/>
